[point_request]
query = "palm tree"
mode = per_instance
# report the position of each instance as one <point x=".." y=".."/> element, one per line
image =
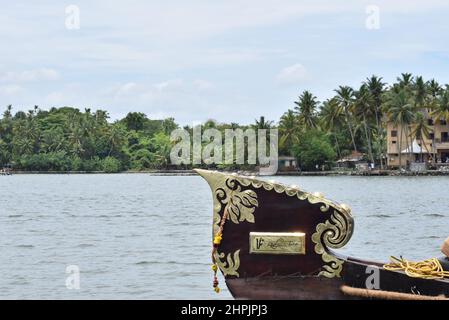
<point x="405" y="80"/>
<point x="345" y="99"/>
<point x="400" y="111"/>
<point x="288" y="130"/>
<point x="362" y="107"/>
<point x="421" y="130"/>
<point x="420" y="92"/>
<point x="434" y="88"/>
<point x="25" y="146"/>
<point x="116" y="137"/>
<point x="53" y="139"/>
<point x="101" y="117"/>
<point x="331" y="117"/>
<point x="234" y="125"/>
<point x="262" y="123"/>
<point x="75" y="138"/>
<point x="7" y="114"/>
<point x="306" y="110"/>
<point x="441" y="109"/>
<point x="376" y="88"/>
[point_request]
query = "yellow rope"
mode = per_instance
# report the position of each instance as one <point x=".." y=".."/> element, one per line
<point x="427" y="269"/>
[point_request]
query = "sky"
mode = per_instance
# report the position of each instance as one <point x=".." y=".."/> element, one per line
<point x="232" y="61"/>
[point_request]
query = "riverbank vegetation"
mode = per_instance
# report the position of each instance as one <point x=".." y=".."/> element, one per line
<point x="317" y="133"/>
<point x="354" y="119"/>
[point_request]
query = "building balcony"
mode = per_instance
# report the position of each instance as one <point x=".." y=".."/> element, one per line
<point x="442" y="143"/>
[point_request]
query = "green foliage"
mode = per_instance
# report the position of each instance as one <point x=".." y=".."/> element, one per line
<point x="314" y="149"/>
<point x="141" y="159"/>
<point x="92" y="165"/>
<point x="353" y="119"/>
<point x="111" y="165"/>
<point x="52" y="161"/>
<point x="76" y="164"/>
<point x="135" y="121"/>
<point x="67" y="139"/>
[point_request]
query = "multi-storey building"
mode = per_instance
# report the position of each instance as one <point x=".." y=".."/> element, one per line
<point x="433" y="149"/>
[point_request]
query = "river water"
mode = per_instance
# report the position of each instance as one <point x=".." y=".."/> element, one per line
<point x="137" y="236"/>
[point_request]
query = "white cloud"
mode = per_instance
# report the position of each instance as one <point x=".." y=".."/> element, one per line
<point x="35" y="75"/>
<point x="292" y="74"/>
<point x="206" y="59"/>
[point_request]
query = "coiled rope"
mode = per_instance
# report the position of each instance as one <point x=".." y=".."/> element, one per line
<point x="427" y="269"/>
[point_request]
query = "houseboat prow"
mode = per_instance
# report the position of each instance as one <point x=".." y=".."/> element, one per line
<point x="273" y="241"/>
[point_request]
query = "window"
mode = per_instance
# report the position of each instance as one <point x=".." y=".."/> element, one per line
<point x="393" y="142"/>
<point x="443" y="122"/>
<point x="431" y="135"/>
<point x="394" y="133"/>
<point x="444" y="137"/>
<point x="430" y="122"/>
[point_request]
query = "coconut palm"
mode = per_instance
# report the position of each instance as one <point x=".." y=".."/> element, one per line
<point x="441" y="108"/>
<point x="53" y="139"/>
<point x="75" y="138"/>
<point x="262" y="123"/>
<point x="101" y="117"/>
<point x="306" y="110"/>
<point x="363" y="102"/>
<point x="400" y="111"/>
<point x="288" y="130"/>
<point x="434" y="88"/>
<point x="345" y="99"/>
<point x="116" y="138"/>
<point x="332" y="117"/>
<point x="405" y="80"/>
<point x="7" y="114"/>
<point x="420" y="92"/>
<point x="421" y="130"/>
<point x="376" y="88"/>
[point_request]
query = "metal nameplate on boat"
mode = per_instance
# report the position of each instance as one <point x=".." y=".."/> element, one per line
<point x="277" y="243"/>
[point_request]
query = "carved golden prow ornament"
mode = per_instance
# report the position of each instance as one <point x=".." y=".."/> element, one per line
<point x="241" y="196"/>
<point x="273" y="241"/>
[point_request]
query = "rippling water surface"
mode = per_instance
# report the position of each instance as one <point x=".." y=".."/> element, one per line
<point x="136" y="236"/>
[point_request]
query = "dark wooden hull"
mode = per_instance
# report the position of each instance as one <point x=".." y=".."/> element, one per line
<point x="278" y="240"/>
<point x="286" y="288"/>
<point x="319" y="288"/>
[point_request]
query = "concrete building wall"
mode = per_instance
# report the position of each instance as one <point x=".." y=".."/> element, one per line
<point x="436" y="144"/>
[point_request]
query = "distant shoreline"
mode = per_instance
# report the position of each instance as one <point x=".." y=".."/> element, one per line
<point x="302" y="173"/>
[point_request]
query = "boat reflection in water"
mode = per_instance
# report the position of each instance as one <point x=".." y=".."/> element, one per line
<point x="276" y="241"/>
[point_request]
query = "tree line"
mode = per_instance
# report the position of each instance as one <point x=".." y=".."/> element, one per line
<point x="66" y="139"/>
<point x="355" y="119"/>
<point x="316" y="133"/>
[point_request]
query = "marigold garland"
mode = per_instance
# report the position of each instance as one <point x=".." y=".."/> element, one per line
<point x="216" y="243"/>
